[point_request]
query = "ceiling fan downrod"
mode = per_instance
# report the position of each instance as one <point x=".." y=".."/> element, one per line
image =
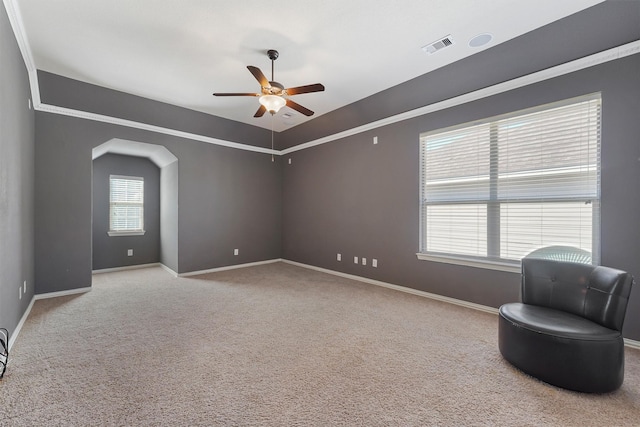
<point x="273" y="95"/>
<point x="273" y="55"/>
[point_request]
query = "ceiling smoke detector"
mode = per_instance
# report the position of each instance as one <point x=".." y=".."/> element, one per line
<point x="438" y="45"/>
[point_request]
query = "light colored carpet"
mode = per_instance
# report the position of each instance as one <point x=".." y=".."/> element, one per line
<point x="277" y="345"/>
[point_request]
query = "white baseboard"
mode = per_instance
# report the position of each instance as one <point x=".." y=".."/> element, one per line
<point x="168" y="270"/>
<point x="62" y="293"/>
<point x="632" y="343"/>
<point x="437" y="297"/>
<point x="187" y="274"/>
<point x="136" y="267"/>
<point x="21" y="323"/>
<point x="229" y="267"/>
<point x="627" y="342"/>
<point x="26" y="313"/>
<point x="127" y="267"/>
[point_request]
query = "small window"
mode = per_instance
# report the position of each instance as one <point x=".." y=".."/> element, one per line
<point x="126" y="205"/>
<point x="494" y="191"/>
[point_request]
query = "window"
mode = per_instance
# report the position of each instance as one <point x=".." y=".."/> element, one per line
<point x="126" y="205"/>
<point x="494" y="191"/>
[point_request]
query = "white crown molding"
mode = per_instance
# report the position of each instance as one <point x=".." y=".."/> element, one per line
<point x="15" y="19"/>
<point x="152" y="128"/>
<point x="539" y="76"/>
<point x="35" y="89"/>
<point x="589" y="61"/>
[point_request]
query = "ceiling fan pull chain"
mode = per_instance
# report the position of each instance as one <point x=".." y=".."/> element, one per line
<point x="272" y="159"/>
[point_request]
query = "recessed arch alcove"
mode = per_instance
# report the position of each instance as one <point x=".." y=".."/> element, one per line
<point x="167" y="164"/>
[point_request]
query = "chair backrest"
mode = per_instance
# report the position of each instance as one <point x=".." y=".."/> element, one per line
<point x="562" y="253"/>
<point x="599" y="294"/>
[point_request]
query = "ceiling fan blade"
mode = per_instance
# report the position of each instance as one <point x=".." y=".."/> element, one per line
<point x="236" y="94"/>
<point x="305" y="89"/>
<point x="299" y="108"/>
<point x="264" y="82"/>
<point x="260" y="111"/>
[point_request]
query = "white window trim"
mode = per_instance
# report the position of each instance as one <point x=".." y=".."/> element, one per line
<point x="126" y="233"/>
<point x="487" y="263"/>
<point x="515" y="267"/>
<point x="120" y="233"/>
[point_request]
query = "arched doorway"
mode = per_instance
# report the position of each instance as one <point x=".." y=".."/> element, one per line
<point x="167" y="164"/>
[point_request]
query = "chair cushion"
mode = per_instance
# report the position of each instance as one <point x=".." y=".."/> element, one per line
<point x="557" y="323"/>
<point x="559" y="351"/>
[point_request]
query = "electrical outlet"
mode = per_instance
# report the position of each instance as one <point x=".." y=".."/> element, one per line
<point x="289" y="161"/>
<point x="236" y="251"/>
<point x="19" y="292"/>
<point x="374" y="263"/>
<point x="129" y="252"/>
<point x="355" y="259"/>
<point x="364" y="261"/>
<point x="24" y="285"/>
<point x="339" y="257"/>
<point x="375" y="140"/>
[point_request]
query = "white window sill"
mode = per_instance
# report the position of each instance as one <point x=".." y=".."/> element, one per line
<point x="126" y="233"/>
<point x="478" y="263"/>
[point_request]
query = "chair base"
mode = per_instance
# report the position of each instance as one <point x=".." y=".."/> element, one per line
<point x="560" y="359"/>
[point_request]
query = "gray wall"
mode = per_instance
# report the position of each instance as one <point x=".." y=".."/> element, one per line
<point x="111" y="251"/>
<point x="16" y="180"/>
<point x="62" y="91"/>
<point x="359" y="199"/>
<point x="617" y="22"/>
<point x="347" y="196"/>
<point x="169" y="216"/>
<point x="228" y="199"/>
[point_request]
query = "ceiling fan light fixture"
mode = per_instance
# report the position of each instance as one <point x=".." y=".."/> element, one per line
<point x="273" y="95"/>
<point x="273" y="103"/>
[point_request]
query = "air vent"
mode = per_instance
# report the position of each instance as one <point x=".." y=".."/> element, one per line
<point x="438" y="45"/>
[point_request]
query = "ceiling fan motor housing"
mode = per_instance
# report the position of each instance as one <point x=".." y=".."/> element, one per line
<point x="275" y="89"/>
<point x="273" y="54"/>
<point x="272" y="94"/>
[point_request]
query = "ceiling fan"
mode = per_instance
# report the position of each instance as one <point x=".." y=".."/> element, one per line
<point x="273" y="95"/>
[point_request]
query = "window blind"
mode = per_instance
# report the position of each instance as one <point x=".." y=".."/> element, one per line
<point x="126" y="207"/>
<point x="504" y="187"/>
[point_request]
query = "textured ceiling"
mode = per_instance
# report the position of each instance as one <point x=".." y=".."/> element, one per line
<point x="180" y="52"/>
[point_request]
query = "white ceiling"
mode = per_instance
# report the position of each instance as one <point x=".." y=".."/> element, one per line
<point x="180" y="52"/>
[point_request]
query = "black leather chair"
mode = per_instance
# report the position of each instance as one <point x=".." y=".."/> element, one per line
<point x="567" y="330"/>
